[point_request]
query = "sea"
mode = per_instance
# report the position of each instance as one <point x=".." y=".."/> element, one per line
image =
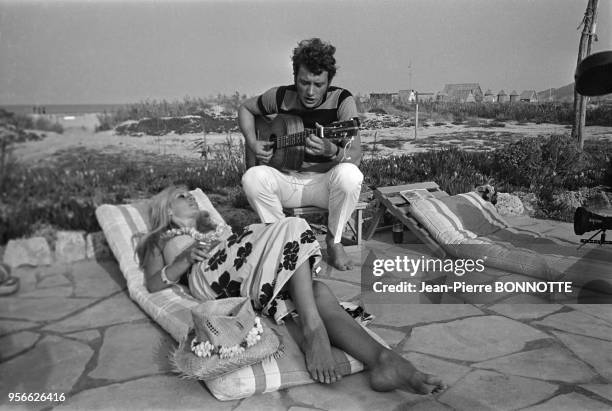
<point x="63" y="109"/>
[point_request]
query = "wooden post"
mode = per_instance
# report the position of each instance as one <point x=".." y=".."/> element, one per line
<point x="584" y="49"/>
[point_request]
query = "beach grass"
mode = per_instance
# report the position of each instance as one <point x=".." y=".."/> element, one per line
<point x="471" y="114"/>
<point x="164" y="109"/>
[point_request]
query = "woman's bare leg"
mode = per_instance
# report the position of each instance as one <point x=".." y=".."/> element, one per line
<point x="388" y="370"/>
<point x="324" y="321"/>
<point x="316" y="345"/>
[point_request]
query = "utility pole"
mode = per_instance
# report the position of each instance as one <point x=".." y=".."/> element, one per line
<point x="416" y="118"/>
<point x="584" y="49"/>
<point x="410" y="75"/>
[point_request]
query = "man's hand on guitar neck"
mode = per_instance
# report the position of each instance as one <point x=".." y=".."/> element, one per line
<point x="263" y="151"/>
<point x="317" y="146"/>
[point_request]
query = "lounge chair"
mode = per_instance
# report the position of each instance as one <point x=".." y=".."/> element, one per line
<point x="467" y="226"/>
<point x="170" y="308"/>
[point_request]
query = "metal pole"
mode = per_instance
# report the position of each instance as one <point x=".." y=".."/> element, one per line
<point x="416" y="120"/>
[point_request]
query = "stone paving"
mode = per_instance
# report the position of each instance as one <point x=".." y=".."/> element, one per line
<point x="73" y="329"/>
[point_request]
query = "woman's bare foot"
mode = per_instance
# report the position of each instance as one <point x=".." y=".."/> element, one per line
<point x="337" y="256"/>
<point x="393" y="371"/>
<point x="319" y="360"/>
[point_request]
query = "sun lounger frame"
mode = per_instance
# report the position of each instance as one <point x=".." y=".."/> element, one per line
<point x="390" y="199"/>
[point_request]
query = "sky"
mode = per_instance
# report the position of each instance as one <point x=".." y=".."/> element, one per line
<point x="111" y="51"/>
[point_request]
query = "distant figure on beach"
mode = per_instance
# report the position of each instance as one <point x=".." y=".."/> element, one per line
<point x="328" y="176"/>
<point x="272" y="265"/>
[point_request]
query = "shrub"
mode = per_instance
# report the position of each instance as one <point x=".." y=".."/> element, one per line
<point x="66" y="192"/>
<point x="157" y="126"/>
<point x="560" y="113"/>
<point x="106" y="121"/>
<point x="377" y="110"/>
<point x="518" y="162"/>
<point x="561" y="161"/>
<point x="453" y="169"/>
<point x="559" y="205"/>
<point x="164" y="109"/>
<point x="600" y="115"/>
<point x="30" y="122"/>
<point x="10" y="134"/>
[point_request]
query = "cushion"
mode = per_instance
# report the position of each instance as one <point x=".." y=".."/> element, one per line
<point x="467" y="226"/>
<point x="170" y="308"/>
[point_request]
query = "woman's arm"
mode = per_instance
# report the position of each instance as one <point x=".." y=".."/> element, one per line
<point x="154" y="263"/>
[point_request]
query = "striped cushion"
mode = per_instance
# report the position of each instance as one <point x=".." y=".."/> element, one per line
<point x="170" y="308"/>
<point x="467" y="226"/>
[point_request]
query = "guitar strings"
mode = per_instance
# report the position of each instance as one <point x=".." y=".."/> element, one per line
<point x="292" y="178"/>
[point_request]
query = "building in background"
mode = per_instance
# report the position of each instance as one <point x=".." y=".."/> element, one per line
<point x="529" y="96"/>
<point x="514" y="96"/>
<point x="489" y="97"/>
<point x="502" y="96"/>
<point x="382" y="99"/>
<point x="461" y="93"/>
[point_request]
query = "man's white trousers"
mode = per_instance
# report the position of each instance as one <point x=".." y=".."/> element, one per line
<point x="269" y="190"/>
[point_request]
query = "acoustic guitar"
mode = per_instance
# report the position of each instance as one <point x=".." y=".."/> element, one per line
<point x="287" y="135"/>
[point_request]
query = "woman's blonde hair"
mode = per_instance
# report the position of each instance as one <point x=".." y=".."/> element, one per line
<point x="161" y="221"/>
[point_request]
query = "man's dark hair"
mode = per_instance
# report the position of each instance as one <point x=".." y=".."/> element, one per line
<point x="316" y="55"/>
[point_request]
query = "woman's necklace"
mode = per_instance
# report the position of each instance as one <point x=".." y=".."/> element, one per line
<point x="206" y="239"/>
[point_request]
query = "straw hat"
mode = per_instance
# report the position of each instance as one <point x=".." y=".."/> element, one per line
<point x="226" y="336"/>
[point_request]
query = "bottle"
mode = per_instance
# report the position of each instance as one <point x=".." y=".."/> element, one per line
<point x="398" y="232"/>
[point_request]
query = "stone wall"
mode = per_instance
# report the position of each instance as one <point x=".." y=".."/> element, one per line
<point x="69" y="246"/>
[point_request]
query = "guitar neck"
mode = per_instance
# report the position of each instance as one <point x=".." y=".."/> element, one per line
<point x="295" y="139"/>
<point x="336" y="132"/>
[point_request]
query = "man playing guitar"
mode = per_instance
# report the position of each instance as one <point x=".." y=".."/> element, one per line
<point x="328" y="176"/>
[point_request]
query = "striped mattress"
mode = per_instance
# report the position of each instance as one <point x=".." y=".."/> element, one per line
<point x="170" y="308"/>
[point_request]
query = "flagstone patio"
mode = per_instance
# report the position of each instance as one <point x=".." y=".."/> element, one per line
<point x="73" y="329"/>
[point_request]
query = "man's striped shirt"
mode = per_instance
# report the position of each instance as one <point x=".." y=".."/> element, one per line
<point x="338" y="105"/>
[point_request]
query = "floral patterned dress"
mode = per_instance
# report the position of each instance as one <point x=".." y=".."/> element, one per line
<point x="257" y="262"/>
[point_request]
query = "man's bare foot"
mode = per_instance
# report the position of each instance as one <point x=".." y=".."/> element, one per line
<point x="393" y="371"/>
<point x="319" y="360"/>
<point x="337" y="257"/>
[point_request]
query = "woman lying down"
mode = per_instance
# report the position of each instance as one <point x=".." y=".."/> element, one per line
<point x="271" y="264"/>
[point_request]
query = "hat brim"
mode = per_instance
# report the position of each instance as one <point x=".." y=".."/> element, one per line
<point x="189" y="365"/>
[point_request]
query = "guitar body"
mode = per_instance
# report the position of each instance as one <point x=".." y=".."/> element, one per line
<point x="286" y="135"/>
<point x="269" y="130"/>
